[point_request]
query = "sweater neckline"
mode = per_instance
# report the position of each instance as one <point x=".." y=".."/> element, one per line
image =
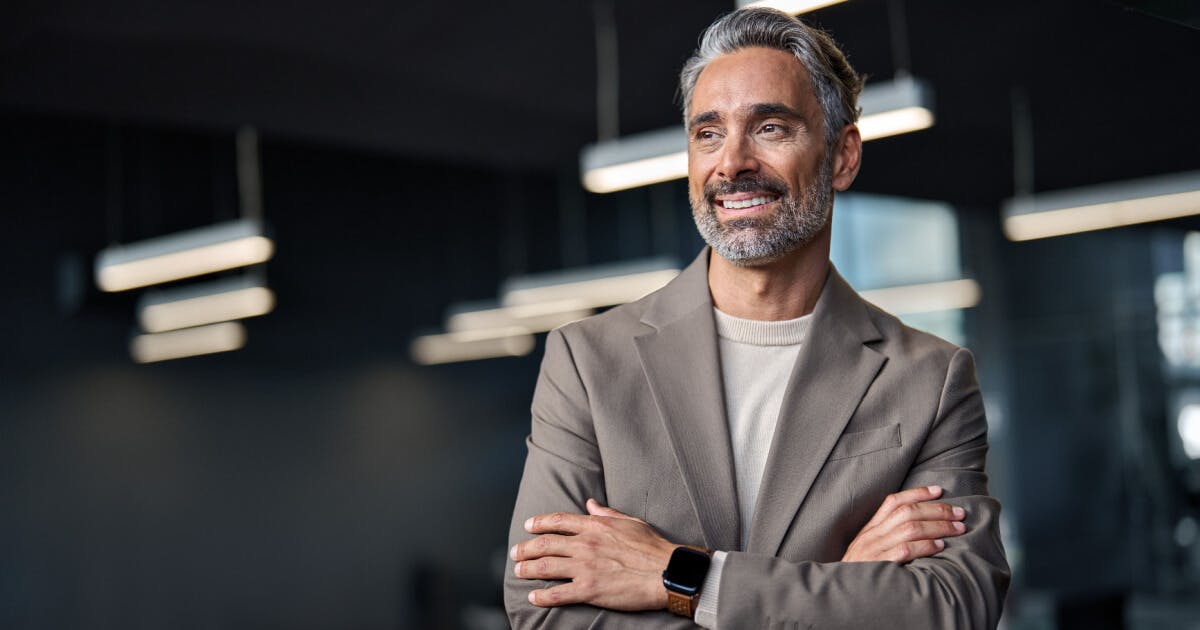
<point x="788" y="332"/>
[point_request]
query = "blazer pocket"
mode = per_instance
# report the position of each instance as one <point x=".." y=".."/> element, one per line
<point x="863" y="442"/>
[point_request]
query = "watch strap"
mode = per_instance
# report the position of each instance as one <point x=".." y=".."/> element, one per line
<point x="681" y="604"/>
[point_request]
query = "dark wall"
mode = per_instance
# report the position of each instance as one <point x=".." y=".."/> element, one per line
<point x="316" y="478"/>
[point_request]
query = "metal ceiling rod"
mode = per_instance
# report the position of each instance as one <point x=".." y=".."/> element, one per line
<point x="114" y="184"/>
<point x="898" y="23"/>
<point x="249" y="175"/>
<point x="607" y="71"/>
<point x="249" y="180"/>
<point x="1022" y="130"/>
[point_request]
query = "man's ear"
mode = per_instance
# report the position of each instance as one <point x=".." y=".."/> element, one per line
<point x="847" y="157"/>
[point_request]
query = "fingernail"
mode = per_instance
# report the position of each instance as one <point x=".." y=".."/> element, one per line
<point x="959" y="527"/>
<point x="529" y="523"/>
<point x="512" y="553"/>
<point x="959" y="512"/>
<point x="531" y="600"/>
<point x="935" y="489"/>
<point x="939" y="543"/>
<point x="517" y="569"/>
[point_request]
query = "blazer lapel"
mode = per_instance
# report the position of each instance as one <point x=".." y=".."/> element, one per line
<point x="831" y="376"/>
<point x="682" y="366"/>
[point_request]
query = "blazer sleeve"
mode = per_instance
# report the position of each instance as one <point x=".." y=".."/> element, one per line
<point x="563" y="469"/>
<point x="963" y="586"/>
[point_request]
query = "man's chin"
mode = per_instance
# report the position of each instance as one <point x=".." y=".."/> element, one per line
<point x="752" y="257"/>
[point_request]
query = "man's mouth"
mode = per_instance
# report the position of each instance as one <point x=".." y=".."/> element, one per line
<point x="749" y="202"/>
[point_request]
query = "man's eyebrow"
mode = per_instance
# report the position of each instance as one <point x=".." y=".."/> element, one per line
<point x="703" y="119"/>
<point x="760" y="110"/>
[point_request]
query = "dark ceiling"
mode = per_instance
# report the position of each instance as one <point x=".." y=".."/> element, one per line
<point x="1113" y="92"/>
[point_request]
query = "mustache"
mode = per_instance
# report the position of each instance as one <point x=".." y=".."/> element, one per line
<point x="749" y="183"/>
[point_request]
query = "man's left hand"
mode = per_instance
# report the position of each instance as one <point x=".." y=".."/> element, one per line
<point x="612" y="560"/>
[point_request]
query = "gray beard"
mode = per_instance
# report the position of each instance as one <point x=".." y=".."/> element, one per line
<point x="759" y="240"/>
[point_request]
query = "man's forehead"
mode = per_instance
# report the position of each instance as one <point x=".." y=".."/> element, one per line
<point x="735" y="81"/>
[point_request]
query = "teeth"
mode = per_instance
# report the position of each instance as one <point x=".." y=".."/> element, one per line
<point x="746" y="203"/>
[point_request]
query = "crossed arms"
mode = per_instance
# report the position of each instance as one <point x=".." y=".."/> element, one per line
<point x="898" y="568"/>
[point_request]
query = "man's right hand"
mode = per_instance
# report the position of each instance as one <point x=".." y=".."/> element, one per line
<point x="909" y="525"/>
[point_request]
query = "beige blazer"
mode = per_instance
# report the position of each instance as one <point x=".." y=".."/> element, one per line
<point x="629" y="409"/>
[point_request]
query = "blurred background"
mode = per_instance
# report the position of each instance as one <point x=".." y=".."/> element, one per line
<point x="386" y="193"/>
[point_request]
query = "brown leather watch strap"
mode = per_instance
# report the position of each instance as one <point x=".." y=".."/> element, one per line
<point x="681" y="604"/>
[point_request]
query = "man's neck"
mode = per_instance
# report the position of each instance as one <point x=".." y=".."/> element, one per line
<point x="782" y="289"/>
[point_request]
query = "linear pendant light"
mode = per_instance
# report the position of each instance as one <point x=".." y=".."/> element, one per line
<point x="591" y="287"/>
<point x="534" y="318"/>
<point x="185" y="254"/>
<point x="794" y="7"/>
<point x="188" y="342"/>
<point x="537" y="303"/>
<point x="469" y="346"/>
<point x="1103" y="206"/>
<point x="207" y="303"/>
<point x="902" y="105"/>
<point x="925" y="298"/>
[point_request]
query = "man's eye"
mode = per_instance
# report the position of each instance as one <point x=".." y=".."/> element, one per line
<point x="706" y="135"/>
<point x="773" y="129"/>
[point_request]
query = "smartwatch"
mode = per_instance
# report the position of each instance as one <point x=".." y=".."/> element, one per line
<point x="683" y="578"/>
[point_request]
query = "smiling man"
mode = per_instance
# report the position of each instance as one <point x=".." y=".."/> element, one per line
<point x="754" y="446"/>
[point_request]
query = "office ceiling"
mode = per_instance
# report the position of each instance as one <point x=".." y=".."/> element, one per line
<point x="1113" y="91"/>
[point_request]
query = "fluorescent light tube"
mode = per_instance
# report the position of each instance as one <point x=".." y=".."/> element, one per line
<point x="635" y="160"/>
<point x="1104" y="206"/>
<point x="532" y="318"/>
<point x="470" y="346"/>
<point x="902" y="105"/>
<point x="195" y="305"/>
<point x="188" y="342"/>
<point x="182" y="255"/>
<point x="795" y="7"/>
<point x="591" y="287"/>
<point x="925" y="298"/>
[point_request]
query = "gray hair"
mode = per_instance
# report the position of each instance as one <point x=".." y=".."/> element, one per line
<point x="836" y="83"/>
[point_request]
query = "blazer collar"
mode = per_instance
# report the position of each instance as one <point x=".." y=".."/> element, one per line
<point x="682" y="296"/>
<point x="682" y="366"/>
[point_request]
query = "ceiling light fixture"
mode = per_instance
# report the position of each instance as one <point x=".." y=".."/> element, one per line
<point x="794" y="7"/>
<point x="470" y="346"/>
<point x="195" y="305"/>
<point x="1103" y="206"/>
<point x="185" y="254"/>
<point x="187" y="342"/>
<point x="534" y="318"/>
<point x="537" y="303"/>
<point x="591" y="287"/>
<point x="902" y="105"/>
<point x="925" y="298"/>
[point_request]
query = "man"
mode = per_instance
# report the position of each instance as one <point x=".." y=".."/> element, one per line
<point x="754" y="446"/>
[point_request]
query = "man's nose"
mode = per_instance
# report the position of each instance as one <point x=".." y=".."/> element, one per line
<point x="737" y="157"/>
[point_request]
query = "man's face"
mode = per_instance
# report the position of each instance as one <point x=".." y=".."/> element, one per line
<point x="759" y="175"/>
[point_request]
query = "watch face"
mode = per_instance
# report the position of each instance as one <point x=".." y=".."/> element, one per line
<point x="686" y="571"/>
